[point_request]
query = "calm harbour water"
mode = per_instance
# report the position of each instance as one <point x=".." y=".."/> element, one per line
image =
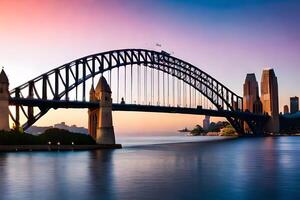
<point x="250" y="168"/>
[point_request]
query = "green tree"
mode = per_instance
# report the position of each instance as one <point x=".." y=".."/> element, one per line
<point x="198" y="130"/>
<point x="54" y="136"/>
<point x="228" y="131"/>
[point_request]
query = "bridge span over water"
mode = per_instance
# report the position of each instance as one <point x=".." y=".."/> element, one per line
<point x="140" y="80"/>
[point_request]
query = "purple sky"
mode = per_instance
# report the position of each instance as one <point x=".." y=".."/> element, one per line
<point x="227" y="39"/>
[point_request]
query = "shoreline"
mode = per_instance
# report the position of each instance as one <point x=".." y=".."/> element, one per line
<point x="29" y="148"/>
<point x="16" y="148"/>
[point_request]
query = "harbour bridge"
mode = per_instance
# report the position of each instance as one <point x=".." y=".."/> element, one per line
<point x="140" y="80"/>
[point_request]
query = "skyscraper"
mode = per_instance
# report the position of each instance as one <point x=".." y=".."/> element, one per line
<point x="294" y="104"/>
<point x="250" y="92"/>
<point x="269" y="99"/>
<point x="251" y="101"/>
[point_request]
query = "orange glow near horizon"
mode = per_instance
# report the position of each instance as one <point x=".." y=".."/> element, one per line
<point x="129" y="123"/>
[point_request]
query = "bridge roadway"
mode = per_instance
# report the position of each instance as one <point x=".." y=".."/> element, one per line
<point x="55" y="104"/>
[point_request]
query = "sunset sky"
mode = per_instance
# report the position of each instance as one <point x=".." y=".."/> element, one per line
<point x="226" y="39"/>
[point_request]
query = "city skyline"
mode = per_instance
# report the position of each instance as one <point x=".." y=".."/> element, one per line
<point x="51" y="36"/>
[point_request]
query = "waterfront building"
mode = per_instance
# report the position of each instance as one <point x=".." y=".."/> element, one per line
<point x="269" y="99"/>
<point x="294" y="104"/>
<point x="286" y="109"/>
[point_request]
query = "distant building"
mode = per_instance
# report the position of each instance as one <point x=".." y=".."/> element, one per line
<point x="62" y="125"/>
<point x="294" y="104"/>
<point x="206" y="122"/>
<point x="36" y="130"/>
<point x="286" y="109"/>
<point x="269" y="99"/>
<point x="72" y="128"/>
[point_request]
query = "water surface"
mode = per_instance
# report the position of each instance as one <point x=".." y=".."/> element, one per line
<point x="251" y="168"/>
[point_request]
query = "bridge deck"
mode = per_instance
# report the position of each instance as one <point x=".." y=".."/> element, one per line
<point x="55" y="104"/>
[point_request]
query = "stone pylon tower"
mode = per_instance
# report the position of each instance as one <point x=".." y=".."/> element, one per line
<point x="100" y="119"/>
<point x="4" y="98"/>
<point x="269" y="99"/>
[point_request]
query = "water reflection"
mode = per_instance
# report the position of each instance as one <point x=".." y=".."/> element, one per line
<point x="258" y="168"/>
<point x="100" y="184"/>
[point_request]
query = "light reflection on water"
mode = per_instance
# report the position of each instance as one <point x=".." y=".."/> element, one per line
<point x="251" y="168"/>
<point x="150" y="140"/>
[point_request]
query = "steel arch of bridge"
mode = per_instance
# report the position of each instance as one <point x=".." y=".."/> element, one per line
<point x="70" y="75"/>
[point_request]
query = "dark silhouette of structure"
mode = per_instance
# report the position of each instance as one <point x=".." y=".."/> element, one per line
<point x="257" y="106"/>
<point x="290" y="123"/>
<point x="294" y="104"/>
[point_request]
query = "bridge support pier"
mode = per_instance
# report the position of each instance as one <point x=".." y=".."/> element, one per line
<point x="100" y="120"/>
<point x="4" y="102"/>
<point x="255" y="127"/>
<point x="105" y="135"/>
<point x="237" y="125"/>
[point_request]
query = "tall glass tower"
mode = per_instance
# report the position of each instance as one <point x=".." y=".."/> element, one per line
<point x="269" y="99"/>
